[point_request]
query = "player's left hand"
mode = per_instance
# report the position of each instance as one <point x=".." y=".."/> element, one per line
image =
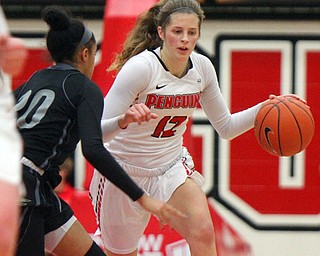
<point x="272" y="96"/>
<point x="163" y="211"/>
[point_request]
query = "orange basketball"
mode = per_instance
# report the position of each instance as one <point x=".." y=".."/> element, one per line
<point x="284" y="126"/>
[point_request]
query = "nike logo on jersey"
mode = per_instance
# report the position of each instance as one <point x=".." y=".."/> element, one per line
<point x="160" y="86"/>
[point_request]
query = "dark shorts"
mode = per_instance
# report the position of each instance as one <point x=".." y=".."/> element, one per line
<point x="43" y="213"/>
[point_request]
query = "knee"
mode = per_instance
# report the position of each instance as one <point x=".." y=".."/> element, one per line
<point x="204" y="233"/>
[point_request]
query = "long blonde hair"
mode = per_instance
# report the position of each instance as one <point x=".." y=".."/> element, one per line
<point x="144" y="35"/>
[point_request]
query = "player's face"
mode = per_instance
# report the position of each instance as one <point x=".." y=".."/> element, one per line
<point x="181" y="34"/>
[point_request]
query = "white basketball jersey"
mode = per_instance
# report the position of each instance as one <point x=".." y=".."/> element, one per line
<point x="145" y="79"/>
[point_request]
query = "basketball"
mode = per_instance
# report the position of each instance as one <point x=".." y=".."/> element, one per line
<point x="284" y="126"/>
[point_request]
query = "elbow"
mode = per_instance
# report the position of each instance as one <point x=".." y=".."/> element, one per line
<point x="224" y="129"/>
<point x="226" y="134"/>
<point x="88" y="154"/>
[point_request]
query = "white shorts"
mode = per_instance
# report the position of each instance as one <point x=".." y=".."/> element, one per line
<point x="122" y="221"/>
<point x="10" y="140"/>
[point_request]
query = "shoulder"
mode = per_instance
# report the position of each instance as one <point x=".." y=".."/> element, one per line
<point x="77" y="79"/>
<point x="203" y="64"/>
<point x="205" y="68"/>
<point x="145" y="57"/>
<point x="79" y="85"/>
<point x="142" y="65"/>
<point x="201" y="60"/>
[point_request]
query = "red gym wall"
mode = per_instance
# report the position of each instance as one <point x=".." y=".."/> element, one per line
<point x="262" y="205"/>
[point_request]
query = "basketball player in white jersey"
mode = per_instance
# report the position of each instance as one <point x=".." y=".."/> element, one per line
<point x="10" y="141"/>
<point x="160" y="82"/>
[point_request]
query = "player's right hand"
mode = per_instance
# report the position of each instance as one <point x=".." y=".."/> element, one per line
<point x="137" y="113"/>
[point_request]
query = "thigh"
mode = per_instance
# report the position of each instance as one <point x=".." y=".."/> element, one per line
<point x="64" y="235"/>
<point x="31" y="238"/>
<point x="59" y="219"/>
<point x="76" y="241"/>
<point x="56" y="215"/>
<point x="190" y="199"/>
<point x="122" y="221"/>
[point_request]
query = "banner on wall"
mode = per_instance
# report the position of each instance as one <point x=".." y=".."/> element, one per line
<point x="263" y="193"/>
<point x="268" y="192"/>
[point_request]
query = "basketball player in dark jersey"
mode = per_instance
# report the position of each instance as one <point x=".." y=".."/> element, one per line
<point x="56" y="108"/>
